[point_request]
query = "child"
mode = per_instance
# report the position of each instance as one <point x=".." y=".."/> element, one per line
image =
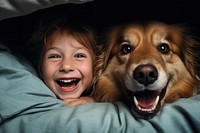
<point x="66" y="52"/>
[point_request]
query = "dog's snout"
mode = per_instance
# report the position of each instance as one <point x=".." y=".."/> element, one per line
<point x="145" y="74"/>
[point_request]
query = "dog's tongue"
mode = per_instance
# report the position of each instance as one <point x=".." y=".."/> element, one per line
<point x="146" y="99"/>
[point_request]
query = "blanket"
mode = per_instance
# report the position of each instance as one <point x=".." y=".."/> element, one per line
<point x="28" y="106"/>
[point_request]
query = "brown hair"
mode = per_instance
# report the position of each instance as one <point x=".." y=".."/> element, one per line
<point x="82" y="33"/>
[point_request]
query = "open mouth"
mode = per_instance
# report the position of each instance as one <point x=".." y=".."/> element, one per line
<point x="147" y="103"/>
<point x="67" y="84"/>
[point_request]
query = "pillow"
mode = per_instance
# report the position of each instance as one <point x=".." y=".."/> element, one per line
<point x="27" y="105"/>
<point x="13" y="8"/>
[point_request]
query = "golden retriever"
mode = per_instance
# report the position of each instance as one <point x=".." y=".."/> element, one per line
<point x="145" y="65"/>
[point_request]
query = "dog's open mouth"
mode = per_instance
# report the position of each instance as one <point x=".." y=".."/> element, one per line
<point x="147" y="103"/>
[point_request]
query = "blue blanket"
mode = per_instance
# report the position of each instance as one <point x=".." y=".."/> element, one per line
<point x="27" y="105"/>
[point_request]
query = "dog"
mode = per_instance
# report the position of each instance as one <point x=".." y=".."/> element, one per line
<point x="146" y="65"/>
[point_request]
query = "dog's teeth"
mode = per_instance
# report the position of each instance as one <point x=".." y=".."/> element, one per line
<point x="135" y="101"/>
<point x="156" y="101"/>
<point x="146" y="109"/>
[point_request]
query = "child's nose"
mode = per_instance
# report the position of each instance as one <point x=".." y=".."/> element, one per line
<point x="66" y="66"/>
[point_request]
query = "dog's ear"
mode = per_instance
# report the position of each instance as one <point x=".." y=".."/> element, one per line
<point x="189" y="46"/>
<point x="99" y="61"/>
<point x="191" y="54"/>
<point x="104" y="50"/>
<point x="111" y="43"/>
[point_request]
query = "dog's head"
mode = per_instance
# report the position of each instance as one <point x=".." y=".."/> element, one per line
<point x="149" y="64"/>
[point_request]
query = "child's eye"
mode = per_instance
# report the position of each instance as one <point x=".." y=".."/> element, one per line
<point x="54" y="56"/>
<point x="80" y="55"/>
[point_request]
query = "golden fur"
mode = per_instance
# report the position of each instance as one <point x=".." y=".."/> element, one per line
<point x="143" y="61"/>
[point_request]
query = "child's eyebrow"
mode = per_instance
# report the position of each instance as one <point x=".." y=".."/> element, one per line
<point x="81" y="47"/>
<point x="51" y="48"/>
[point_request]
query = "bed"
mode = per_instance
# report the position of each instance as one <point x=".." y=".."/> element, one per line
<point x="28" y="106"/>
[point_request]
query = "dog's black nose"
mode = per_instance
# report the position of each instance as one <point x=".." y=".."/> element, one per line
<point x="145" y="74"/>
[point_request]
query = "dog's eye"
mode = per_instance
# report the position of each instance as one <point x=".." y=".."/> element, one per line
<point x="164" y="48"/>
<point x="126" y="48"/>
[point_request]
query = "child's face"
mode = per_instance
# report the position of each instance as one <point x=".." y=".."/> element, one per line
<point x="67" y="67"/>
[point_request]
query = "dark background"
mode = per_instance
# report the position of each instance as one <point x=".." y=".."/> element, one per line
<point x="101" y="14"/>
